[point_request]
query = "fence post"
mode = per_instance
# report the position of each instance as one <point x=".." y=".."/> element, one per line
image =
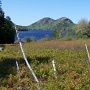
<point x="24" y="56"/>
<point x="54" y="68"/>
<point x="87" y="52"/>
<point x="18" y="70"/>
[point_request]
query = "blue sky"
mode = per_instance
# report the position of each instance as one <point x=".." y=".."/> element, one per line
<point x="26" y="12"/>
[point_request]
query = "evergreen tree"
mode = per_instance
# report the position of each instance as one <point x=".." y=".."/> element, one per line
<point x="7" y="31"/>
<point x="55" y="34"/>
<point x="1" y="13"/>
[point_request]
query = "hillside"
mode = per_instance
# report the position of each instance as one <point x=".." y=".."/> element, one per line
<point x="51" y="24"/>
<point x="45" y="23"/>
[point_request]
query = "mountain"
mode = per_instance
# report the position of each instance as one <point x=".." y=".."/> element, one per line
<point x="44" y="23"/>
<point x="51" y="24"/>
<point x="64" y="19"/>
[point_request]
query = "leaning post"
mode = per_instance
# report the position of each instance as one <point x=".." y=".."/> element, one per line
<point x="87" y="52"/>
<point x="24" y="56"/>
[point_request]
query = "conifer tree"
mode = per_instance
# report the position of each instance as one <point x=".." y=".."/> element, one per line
<point x="7" y="31"/>
<point x="1" y="13"/>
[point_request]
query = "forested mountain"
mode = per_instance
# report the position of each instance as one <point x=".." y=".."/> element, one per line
<point x="51" y="24"/>
<point x="45" y="23"/>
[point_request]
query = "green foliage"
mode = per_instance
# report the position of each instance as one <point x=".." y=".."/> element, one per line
<point x="55" y="34"/>
<point x="1" y="15"/>
<point x="7" y="31"/>
<point x="22" y="28"/>
<point x="8" y="18"/>
<point x="67" y="37"/>
<point x="82" y="29"/>
<point x="28" y="40"/>
<point x="88" y="30"/>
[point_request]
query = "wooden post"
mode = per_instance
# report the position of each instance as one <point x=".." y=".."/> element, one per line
<point x="54" y="68"/>
<point x="24" y="56"/>
<point x="18" y="70"/>
<point x="87" y="52"/>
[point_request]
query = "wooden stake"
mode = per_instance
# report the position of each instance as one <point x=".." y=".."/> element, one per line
<point x="18" y="70"/>
<point x="87" y="52"/>
<point x="54" y="68"/>
<point x="24" y="56"/>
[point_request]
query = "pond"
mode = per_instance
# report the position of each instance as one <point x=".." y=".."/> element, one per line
<point x="34" y="34"/>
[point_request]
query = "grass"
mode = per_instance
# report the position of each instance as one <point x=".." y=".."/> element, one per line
<point x="72" y="65"/>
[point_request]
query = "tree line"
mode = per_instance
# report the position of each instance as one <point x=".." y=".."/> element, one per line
<point x="81" y="30"/>
<point x="7" y="31"/>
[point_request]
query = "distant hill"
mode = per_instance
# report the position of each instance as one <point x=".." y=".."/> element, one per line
<point x="22" y="28"/>
<point x="45" y="23"/>
<point x="51" y="24"/>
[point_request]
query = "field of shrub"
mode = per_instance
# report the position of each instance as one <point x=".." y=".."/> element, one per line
<point x="71" y="61"/>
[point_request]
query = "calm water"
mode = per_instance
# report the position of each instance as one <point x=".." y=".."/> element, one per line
<point x="35" y="34"/>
